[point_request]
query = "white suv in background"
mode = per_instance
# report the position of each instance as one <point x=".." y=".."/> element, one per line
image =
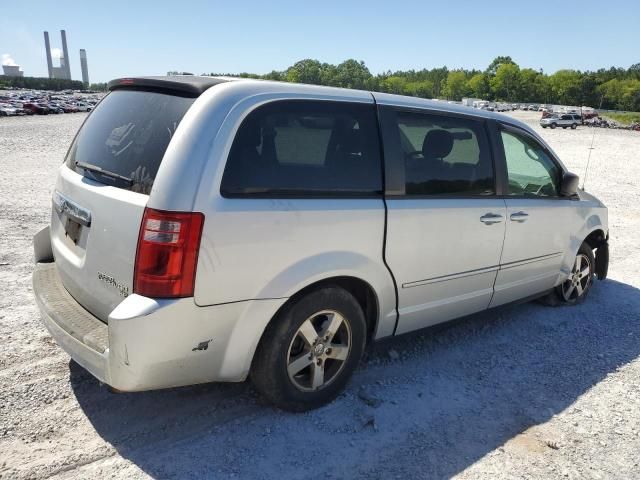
<point x="565" y="120"/>
<point x="208" y="229"/>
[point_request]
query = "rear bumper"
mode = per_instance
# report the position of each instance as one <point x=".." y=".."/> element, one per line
<point x="148" y="343"/>
<point x="79" y="333"/>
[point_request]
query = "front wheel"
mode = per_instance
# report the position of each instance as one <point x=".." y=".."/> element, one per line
<point x="573" y="126"/>
<point x="576" y="288"/>
<point x="310" y="350"/>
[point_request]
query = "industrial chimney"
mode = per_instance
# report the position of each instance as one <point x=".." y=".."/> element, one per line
<point x="48" y="50"/>
<point x="65" y="52"/>
<point x="84" y="67"/>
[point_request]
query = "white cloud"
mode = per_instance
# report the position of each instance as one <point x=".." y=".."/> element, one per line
<point x="7" y="59"/>
<point x="56" y="53"/>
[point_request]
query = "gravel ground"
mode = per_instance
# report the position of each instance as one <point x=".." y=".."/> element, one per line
<point x="520" y="392"/>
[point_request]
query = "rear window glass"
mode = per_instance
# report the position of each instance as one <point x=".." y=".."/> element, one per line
<point x="124" y="139"/>
<point x="305" y="148"/>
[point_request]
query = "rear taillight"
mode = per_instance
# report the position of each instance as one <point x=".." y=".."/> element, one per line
<point x="167" y="254"/>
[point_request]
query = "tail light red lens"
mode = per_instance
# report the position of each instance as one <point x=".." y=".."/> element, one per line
<point x="167" y="254"/>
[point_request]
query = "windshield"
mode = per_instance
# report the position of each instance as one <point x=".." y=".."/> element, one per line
<point x="124" y="139"/>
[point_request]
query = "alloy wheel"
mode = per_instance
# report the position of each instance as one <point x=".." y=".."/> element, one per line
<point x="319" y="350"/>
<point x="579" y="280"/>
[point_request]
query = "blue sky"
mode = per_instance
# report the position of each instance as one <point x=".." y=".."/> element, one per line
<point x="124" y="38"/>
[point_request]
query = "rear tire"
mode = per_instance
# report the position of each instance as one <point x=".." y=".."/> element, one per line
<point x="310" y="350"/>
<point x="573" y="126"/>
<point x="553" y="125"/>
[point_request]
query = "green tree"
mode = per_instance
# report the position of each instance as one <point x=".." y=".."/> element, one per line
<point x="351" y="74"/>
<point x="394" y="84"/>
<point x="455" y="86"/>
<point x="423" y="89"/>
<point x="503" y="80"/>
<point x="438" y="76"/>
<point x="42" y="83"/>
<point x="98" y="87"/>
<point x="275" y="75"/>
<point x="527" y="87"/>
<point x="622" y="94"/>
<point x="506" y="82"/>
<point x="493" y="66"/>
<point x="305" y="71"/>
<point x="565" y="85"/>
<point x="479" y="86"/>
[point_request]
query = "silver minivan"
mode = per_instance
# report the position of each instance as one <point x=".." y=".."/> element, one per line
<point x="212" y="229"/>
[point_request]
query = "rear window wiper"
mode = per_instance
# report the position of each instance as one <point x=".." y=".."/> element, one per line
<point x="102" y="171"/>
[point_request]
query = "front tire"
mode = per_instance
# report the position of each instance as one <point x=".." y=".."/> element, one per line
<point x="573" y="126"/>
<point x="574" y="290"/>
<point x="310" y="350"/>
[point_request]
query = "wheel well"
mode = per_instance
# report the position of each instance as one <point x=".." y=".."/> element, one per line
<point x="361" y="290"/>
<point x="598" y="242"/>
<point x="595" y="239"/>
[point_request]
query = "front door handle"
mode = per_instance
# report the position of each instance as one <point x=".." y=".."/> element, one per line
<point x="490" y="218"/>
<point x="519" y="217"/>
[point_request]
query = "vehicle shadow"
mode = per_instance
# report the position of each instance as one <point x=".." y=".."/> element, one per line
<point x="427" y="405"/>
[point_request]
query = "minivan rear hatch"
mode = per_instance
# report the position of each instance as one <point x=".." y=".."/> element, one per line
<point x="103" y="188"/>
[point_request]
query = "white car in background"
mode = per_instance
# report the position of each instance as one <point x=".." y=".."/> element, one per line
<point x="83" y="107"/>
<point x="7" y="110"/>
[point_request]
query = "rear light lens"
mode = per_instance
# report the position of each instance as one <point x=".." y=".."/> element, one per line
<point x="167" y="254"/>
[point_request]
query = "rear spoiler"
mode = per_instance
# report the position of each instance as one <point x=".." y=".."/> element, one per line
<point x="182" y="85"/>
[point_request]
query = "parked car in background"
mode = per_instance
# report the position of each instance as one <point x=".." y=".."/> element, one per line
<point x="20" y="107"/>
<point x="565" y="121"/>
<point x="252" y="233"/>
<point x="55" y="108"/>
<point x="578" y="118"/>
<point x="83" y="107"/>
<point x="7" y="110"/>
<point x="43" y="102"/>
<point x="36" y="108"/>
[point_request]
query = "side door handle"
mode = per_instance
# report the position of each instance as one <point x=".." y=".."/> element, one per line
<point x="491" y="218"/>
<point x="519" y="217"/>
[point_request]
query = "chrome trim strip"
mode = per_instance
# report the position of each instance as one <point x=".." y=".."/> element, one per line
<point x="479" y="271"/>
<point x="517" y="263"/>
<point x="453" y="276"/>
<point x="65" y="205"/>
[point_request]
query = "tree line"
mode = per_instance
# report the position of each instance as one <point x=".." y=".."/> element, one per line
<point x="503" y="80"/>
<point x="41" y="83"/>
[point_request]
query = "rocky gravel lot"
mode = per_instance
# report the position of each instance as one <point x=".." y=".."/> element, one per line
<point x="521" y="392"/>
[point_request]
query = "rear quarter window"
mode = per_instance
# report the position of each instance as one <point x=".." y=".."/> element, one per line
<point x="124" y="139"/>
<point x="305" y="148"/>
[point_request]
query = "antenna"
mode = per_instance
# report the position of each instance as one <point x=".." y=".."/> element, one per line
<point x="593" y="137"/>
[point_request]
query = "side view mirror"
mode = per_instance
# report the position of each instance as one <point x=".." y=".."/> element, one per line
<point x="569" y="184"/>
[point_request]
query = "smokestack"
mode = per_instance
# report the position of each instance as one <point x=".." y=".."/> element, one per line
<point x="84" y="67"/>
<point x="65" y="52"/>
<point x="48" y="51"/>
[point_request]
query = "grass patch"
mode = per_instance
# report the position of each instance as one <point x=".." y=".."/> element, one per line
<point x="625" y="118"/>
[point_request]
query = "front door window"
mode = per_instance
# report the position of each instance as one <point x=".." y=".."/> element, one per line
<point x="531" y="170"/>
